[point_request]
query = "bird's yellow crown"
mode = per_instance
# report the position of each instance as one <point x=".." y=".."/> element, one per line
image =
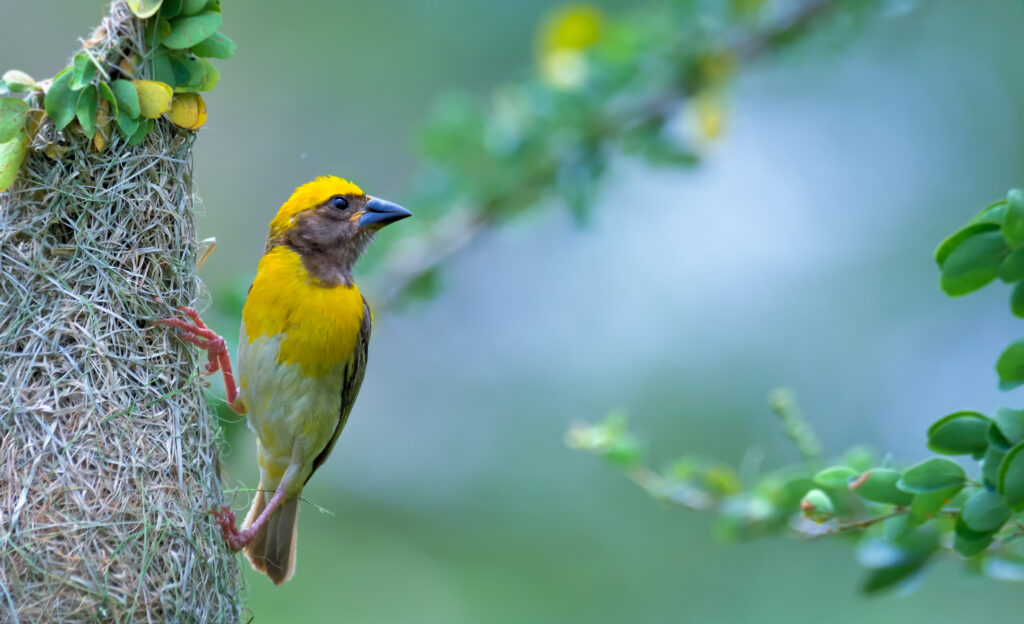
<point x="309" y="196"/>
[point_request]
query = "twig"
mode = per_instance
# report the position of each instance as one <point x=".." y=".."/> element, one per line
<point x="451" y="236"/>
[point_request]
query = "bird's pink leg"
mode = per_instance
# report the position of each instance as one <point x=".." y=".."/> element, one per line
<point x="239" y="539"/>
<point x="199" y="334"/>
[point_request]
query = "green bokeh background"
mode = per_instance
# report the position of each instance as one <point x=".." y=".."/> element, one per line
<point x="797" y="254"/>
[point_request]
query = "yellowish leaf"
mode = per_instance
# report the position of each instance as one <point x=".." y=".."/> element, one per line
<point x="19" y="81"/>
<point x="104" y="126"/>
<point x="188" y="111"/>
<point x="154" y="97"/>
<point x="144" y="8"/>
<point x="11" y="154"/>
<point x="128" y="64"/>
<point x="571" y="27"/>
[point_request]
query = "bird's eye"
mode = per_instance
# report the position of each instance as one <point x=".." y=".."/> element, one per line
<point x="338" y="202"/>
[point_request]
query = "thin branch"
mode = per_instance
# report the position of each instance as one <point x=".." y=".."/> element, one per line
<point x="452" y="235"/>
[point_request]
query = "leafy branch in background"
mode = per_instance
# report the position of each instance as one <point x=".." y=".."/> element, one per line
<point x="901" y="518"/>
<point x="99" y="92"/>
<point x="648" y="85"/>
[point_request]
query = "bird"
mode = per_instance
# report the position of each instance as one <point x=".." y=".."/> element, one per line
<point x="302" y="352"/>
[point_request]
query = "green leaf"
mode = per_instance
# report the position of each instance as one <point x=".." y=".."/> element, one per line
<point x="12" y="153"/>
<point x="836" y="477"/>
<point x="932" y="475"/>
<point x="12" y="118"/>
<point x="188" y="31"/>
<point x="83" y="71"/>
<point x="127" y="97"/>
<point x="817" y="507"/>
<point x="1012" y="268"/>
<point x="953" y="240"/>
<point x="170" y="9"/>
<point x="218" y="45"/>
<point x="141" y="133"/>
<point x="211" y="76"/>
<point x="127" y="124"/>
<point x="86" y="110"/>
<point x="887" y="578"/>
<point x="879" y="485"/>
<point x="993" y="213"/>
<point x="985" y="511"/>
<point x="108" y="94"/>
<point x="191" y="7"/>
<point x="1013" y="219"/>
<point x="970" y="543"/>
<point x="19" y="81"/>
<point x="896" y="527"/>
<point x="926" y="505"/>
<point x="1017" y="300"/>
<point x="959" y="433"/>
<point x="188" y="72"/>
<point x="1010" y="366"/>
<point x="144" y="8"/>
<point x="60" y="100"/>
<point x="973" y="263"/>
<point x="1010" y="424"/>
<point x="990" y="465"/>
<point x="1011" y="477"/>
<point x="163" y="69"/>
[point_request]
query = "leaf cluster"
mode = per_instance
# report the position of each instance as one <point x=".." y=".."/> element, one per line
<point x="901" y="518"/>
<point x="97" y="97"/>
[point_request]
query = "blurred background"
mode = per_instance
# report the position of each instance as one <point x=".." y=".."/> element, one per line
<point x="797" y="253"/>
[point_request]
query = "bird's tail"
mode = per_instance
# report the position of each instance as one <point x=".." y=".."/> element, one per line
<point x="272" y="550"/>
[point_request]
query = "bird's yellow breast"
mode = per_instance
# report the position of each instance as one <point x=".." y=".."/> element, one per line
<point x="319" y="325"/>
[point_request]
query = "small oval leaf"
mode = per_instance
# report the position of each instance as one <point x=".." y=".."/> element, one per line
<point x="960" y="433"/>
<point x="83" y="71"/>
<point x="144" y="8"/>
<point x="1013" y="219"/>
<point x="1012" y="268"/>
<point x="191" y="7"/>
<point x="973" y="263"/>
<point x="1010" y="423"/>
<point x="218" y="45"/>
<point x="60" y="100"/>
<point x="837" y="477"/>
<point x="985" y="511"/>
<point x="1011" y="477"/>
<point x="19" y="81"/>
<point x="953" y="240"/>
<point x="12" y="118"/>
<point x="127" y="97"/>
<point x="86" y="110"/>
<point x="188" y="111"/>
<point x="154" y="97"/>
<point x="12" y="153"/>
<point x="990" y="465"/>
<point x="932" y="475"/>
<point x="145" y="126"/>
<point x="170" y="9"/>
<point x="879" y="485"/>
<point x="189" y="31"/>
<point x="1010" y="366"/>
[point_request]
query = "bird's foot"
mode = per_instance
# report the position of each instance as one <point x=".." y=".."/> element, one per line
<point x="236" y="539"/>
<point x="200" y="335"/>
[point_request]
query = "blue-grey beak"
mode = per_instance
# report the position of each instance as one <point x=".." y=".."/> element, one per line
<point x="379" y="212"/>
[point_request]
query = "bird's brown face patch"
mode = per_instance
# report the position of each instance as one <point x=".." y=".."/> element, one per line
<point x="328" y="238"/>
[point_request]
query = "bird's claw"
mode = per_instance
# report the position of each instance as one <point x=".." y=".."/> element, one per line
<point x="200" y="335"/>
<point x="225" y="517"/>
